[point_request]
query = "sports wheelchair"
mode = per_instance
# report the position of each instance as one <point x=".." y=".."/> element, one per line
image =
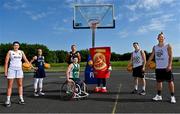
<point x="71" y="90"/>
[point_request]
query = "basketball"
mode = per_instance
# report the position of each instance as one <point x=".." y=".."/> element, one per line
<point x="90" y="62"/>
<point x="26" y="69"/>
<point x="46" y="65"/>
<point x="152" y="65"/>
<point x="129" y="68"/>
<point x="26" y="65"/>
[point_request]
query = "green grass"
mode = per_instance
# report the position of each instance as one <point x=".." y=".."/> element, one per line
<point x="57" y="67"/>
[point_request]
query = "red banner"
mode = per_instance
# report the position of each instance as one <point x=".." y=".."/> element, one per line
<point x="101" y="61"/>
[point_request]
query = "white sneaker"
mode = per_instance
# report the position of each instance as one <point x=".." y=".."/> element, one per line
<point x="173" y="99"/>
<point x="21" y="101"/>
<point x="157" y="98"/>
<point x="8" y="103"/>
<point x="36" y="94"/>
<point x="76" y="96"/>
<point x="41" y="93"/>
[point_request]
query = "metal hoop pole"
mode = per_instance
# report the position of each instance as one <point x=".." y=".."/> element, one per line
<point x="93" y="37"/>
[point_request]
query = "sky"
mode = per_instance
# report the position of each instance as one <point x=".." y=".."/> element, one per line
<point x="49" y="22"/>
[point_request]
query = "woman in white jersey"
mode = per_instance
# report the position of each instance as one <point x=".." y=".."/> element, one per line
<point x="138" y="61"/>
<point x="163" y="59"/>
<point x="14" y="71"/>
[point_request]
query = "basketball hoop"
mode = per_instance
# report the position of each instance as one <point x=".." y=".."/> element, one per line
<point x="93" y="16"/>
<point x="93" y="23"/>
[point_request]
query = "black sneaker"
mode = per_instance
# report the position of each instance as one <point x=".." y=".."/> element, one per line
<point x="134" y="91"/>
<point x="142" y="92"/>
<point x="8" y="104"/>
<point x="21" y="102"/>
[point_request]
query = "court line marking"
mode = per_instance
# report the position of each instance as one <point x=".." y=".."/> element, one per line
<point x="176" y="73"/>
<point x="117" y="97"/>
<point x="149" y="78"/>
<point x="153" y="77"/>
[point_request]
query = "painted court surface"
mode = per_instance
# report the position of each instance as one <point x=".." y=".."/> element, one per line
<point x="117" y="100"/>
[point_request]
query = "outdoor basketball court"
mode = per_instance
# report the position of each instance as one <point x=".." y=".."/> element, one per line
<point x="117" y="100"/>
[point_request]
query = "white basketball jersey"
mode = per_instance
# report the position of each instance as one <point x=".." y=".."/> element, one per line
<point x="161" y="56"/>
<point x="137" y="59"/>
<point x="15" y="60"/>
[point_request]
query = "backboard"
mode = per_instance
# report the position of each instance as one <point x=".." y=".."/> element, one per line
<point x="85" y="14"/>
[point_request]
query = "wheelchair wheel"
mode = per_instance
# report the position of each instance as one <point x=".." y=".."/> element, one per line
<point x="67" y="90"/>
<point x="84" y="87"/>
<point x="78" y="89"/>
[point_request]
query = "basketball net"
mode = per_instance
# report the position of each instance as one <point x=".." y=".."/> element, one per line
<point x="93" y="24"/>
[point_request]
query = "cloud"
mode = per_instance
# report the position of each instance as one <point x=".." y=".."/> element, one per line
<point x="118" y="17"/>
<point x="59" y="29"/>
<point x="65" y="20"/>
<point x="123" y="34"/>
<point x="14" y="5"/>
<point x="157" y="24"/>
<point x="89" y="1"/>
<point x="148" y="4"/>
<point x="36" y="16"/>
<point x="134" y="18"/>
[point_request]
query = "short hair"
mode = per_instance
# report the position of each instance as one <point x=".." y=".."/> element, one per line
<point x="161" y="33"/>
<point x="75" y="58"/>
<point x="73" y="45"/>
<point x="39" y="49"/>
<point x="135" y="43"/>
<point x="16" y="42"/>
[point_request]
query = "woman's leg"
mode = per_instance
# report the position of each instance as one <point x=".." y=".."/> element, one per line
<point x="9" y="90"/>
<point x="20" y="88"/>
<point x="36" y="80"/>
<point x="41" y="84"/>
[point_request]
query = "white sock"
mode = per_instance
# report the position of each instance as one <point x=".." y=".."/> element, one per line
<point x="36" y="80"/>
<point x="21" y="98"/>
<point x="8" y="98"/>
<point x="35" y="90"/>
<point x="136" y="87"/>
<point x="40" y="84"/>
<point x="143" y="88"/>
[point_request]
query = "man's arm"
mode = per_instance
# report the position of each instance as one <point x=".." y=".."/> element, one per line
<point x="151" y="56"/>
<point x="144" y="59"/>
<point x="170" y="57"/>
<point x="131" y="60"/>
<point x="79" y="57"/>
<point x="67" y="57"/>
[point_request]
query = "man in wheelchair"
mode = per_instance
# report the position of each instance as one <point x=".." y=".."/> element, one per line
<point x="72" y="75"/>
